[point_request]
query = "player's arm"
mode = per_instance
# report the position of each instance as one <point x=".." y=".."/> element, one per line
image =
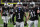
<point x="27" y="17"/>
<point x="38" y="11"/>
<point x="1" y="12"/>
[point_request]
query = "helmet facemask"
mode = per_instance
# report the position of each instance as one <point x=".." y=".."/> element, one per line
<point x="19" y="4"/>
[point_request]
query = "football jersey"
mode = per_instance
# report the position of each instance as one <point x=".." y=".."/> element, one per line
<point x="11" y="10"/>
<point x="33" y="14"/>
<point x="5" y="11"/>
<point x="19" y="14"/>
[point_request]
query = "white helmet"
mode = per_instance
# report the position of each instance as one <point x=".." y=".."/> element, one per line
<point x="5" y="4"/>
<point x="19" y="3"/>
<point x="10" y="4"/>
<point x="32" y="4"/>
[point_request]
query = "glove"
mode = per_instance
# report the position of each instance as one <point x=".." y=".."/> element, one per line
<point x="14" y="23"/>
<point x="25" y="24"/>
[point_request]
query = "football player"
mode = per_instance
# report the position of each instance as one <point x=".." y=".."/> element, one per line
<point x="4" y="14"/>
<point x="11" y="12"/>
<point x="20" y="12"/>
<point x="33" y="14"/>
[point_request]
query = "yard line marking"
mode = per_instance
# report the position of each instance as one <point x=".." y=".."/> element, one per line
<point x="2" y="25"/>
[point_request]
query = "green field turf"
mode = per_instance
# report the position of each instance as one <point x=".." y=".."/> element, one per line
<point x="11" y="25"/>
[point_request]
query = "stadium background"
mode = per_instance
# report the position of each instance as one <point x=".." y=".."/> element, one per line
<point x="25" y="2"/>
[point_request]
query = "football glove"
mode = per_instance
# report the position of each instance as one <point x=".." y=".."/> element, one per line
<point x="25" y="24"/>
<point x="14" y="23"/>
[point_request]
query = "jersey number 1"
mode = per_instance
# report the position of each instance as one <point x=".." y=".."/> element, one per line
<point x="19" y="15"/>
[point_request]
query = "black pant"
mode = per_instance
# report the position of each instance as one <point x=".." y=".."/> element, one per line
<point x="5" y="25"/>
<point x="13" y="17"/>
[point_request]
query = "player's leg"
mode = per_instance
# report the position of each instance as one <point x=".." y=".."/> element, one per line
<point x="22" y="24"/>
<point x="11" y="18"/>
<point x="36" y="23"/>
<point x="30" y="23"/>
<point x="3" y="18"/>
<point x="17" y="24"/>
<point x="4" y="21"/>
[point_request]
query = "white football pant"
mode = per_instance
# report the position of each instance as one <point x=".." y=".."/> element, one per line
<point x="19" y="24"/>
<point x="30" y="23"/>
<point x="11" y="15"/>
<point x="5" y="19"/>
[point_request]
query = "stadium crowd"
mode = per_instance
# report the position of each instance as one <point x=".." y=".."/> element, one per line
<point x="10" y="1"/>
<point x="20" y="0"/>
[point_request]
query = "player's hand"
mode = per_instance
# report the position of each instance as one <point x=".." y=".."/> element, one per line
<point x="14" y="23"/>
<point x="25" y="24"/>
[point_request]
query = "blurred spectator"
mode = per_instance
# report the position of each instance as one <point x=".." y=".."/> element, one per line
<point x="21" y="0"/>
<point x="35" y="0"/>
<point x="3" y="0"/>
<point x="38" y="0"/>
<point x="25" y="0"/>
<point x="10" y="0"/>
<point x="30" y="0"/>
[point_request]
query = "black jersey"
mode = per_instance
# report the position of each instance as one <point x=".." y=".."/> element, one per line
<point x="33" y="14"/>
<point x="19" y="14"/>
<point x="11" y="10"/>
<point x="39" y="8"/>
<point x="5" y="11"/>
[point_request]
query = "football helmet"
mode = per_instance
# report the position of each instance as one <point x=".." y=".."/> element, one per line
<point x="10" y="5"/>
<point x="32" y="4"/>
<point x="19" y="3"/>
<point x="5" y="4"/>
